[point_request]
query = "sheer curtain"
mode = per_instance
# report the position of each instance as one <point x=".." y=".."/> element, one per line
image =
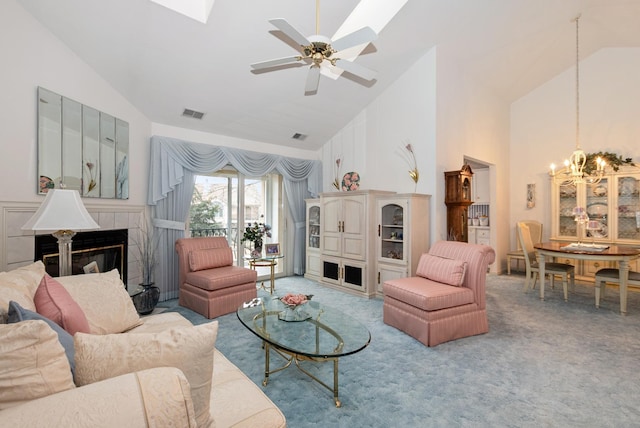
<point x="174" y="164"/>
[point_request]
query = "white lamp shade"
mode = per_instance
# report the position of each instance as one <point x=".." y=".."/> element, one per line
<point x="61" y="210"/>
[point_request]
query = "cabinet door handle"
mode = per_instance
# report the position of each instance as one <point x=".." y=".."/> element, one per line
<point x="378" y="232"/>
<point x="596" y="265"/>
<point x="378" y="277"/>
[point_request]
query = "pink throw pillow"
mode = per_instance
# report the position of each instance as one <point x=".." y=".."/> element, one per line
<point x="210" y="258"/>
<point x="440" y="269"/>
<point x="54" y="302"/>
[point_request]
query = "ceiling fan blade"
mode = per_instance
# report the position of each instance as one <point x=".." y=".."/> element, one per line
<point x="356" y="69"/>
<point x="359" y="37"/>
<point x="290" y="31"/>
<point x="274" y="62"/>
<point x="313" y="79"/>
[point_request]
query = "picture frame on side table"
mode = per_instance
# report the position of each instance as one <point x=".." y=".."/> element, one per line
<point x="272" y="249"/>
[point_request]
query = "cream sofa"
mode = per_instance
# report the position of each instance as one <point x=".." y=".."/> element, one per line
<point x="154" y="371"/>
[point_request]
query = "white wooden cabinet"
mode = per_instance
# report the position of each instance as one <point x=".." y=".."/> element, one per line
<point x="344" y="221"/>
<point x="402" y="235"/>
<point x="347" y="232"/>
<point x="480" y="235"/>
<point x="480" y="188"/>
<point x="313" y="260"/>
<point x="614" y="203"/>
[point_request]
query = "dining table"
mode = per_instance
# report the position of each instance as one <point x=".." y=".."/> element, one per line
<point x="585" y="251"/>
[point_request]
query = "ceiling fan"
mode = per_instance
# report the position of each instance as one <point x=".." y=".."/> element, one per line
<point x="318" y="50"/>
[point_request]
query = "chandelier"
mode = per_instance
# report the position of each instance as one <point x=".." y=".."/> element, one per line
<point x="573" y="172"/>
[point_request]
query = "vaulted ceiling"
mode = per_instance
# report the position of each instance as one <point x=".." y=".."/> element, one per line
<point x="163" y="62"/>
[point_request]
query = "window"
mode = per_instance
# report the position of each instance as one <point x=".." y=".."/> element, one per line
<point x="223" y="197"/>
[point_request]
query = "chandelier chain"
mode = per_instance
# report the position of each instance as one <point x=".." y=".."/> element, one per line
<point x="578" y="82"/>
<point x="574" y="170"/>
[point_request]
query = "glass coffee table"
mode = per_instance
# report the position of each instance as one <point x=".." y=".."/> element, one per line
<point x="315" y="333"/>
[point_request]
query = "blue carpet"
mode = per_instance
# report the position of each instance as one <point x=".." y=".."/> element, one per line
<point x="542" y="364"/>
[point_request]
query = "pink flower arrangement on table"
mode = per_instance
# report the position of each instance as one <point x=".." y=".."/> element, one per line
<point x="293" y="300"/>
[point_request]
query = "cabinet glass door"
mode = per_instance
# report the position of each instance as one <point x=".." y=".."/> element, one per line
<point x="567" y="201"/>
<point x="598" y="199"/>
<point x="628" y="212"/>
<point x="392" y="232"/>
<point x="314" y="227"/>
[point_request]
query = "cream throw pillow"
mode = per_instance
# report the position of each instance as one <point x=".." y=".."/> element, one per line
<point x="19" y="285"/>
<point x="104" y="301"/>
<point x="33" y="363"/>
<point x="189" y="349"/>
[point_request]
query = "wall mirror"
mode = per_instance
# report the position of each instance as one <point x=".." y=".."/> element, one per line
<point x="81" y="148"/>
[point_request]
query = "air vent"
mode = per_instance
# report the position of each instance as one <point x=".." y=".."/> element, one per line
<point x="298" y="136"/>
<point x="192" y="113"/>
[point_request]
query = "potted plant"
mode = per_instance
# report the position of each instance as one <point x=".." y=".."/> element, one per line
<point x="255" y="233"/>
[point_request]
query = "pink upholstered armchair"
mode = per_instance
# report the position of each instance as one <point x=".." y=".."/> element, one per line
<point x="446" y="299"/>
<point x="209" y="282"/>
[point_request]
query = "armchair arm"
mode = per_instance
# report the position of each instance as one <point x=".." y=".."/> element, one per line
<point x="158" y="397"/>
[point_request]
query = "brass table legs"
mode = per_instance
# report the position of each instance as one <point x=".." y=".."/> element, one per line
<point x="291" y="357"/>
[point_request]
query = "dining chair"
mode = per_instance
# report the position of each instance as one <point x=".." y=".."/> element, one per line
<point x="552" y="269"/>
<point x="613" y="276"/>
<point x="535" y="228"/>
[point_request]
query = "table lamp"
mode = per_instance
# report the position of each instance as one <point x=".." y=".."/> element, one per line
<point x="62" y="213"/>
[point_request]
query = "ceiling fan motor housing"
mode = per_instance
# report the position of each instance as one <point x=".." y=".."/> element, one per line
<point x="319" y="49"/>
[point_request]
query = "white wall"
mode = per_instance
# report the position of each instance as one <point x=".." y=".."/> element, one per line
<point x="372" y="143"/>
<point x="223" y="140"/>
<point x="446" y="117"/>
<point x="543" y="125"/>
<point x="32" y="57"/>
<point x="472" y="122"/>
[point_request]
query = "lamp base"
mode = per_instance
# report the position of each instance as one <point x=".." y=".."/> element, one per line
<point x="64" y="251"/>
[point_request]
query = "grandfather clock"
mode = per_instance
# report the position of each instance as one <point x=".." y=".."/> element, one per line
<point x="458" y="199"/>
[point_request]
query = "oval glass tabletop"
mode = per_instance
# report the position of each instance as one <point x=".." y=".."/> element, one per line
<point x="318" y="331"/>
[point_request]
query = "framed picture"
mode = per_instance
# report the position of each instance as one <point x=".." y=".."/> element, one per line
<point x="91" y="268"/>
<point x="272" y="249"/>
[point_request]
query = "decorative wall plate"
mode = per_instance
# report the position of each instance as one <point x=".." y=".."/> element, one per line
<point x="350" y="181"/>
<point x="600" y="190"/>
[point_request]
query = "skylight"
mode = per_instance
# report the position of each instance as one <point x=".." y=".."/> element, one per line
<point x="194" y="9"/>
<point x="368" y="13"/>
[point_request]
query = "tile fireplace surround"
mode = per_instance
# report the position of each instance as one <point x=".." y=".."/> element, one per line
<point x="17" y="246"/>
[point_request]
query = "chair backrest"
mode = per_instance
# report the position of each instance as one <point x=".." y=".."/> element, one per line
<point x="184" y="246"/>
<point x="535" y="230"/>
<point x="478" y="258"/>
<point x="524" y="236"/>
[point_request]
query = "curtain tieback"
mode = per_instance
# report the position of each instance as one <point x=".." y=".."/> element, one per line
<point x="168" y="224"/>
<point x="300" y="224"/>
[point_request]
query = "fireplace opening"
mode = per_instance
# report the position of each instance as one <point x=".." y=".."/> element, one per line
<point x="96" y="251"/>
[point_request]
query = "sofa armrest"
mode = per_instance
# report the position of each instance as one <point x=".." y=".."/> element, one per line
<point x="158" y="397"/>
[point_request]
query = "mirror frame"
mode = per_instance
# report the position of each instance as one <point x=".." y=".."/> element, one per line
<point x="81" y="148"/>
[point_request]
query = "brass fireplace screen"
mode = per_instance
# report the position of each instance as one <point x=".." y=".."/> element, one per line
<point x="99" y="251"/>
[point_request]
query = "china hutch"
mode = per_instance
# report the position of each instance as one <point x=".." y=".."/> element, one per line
<point x="355" y="240"/>
<point x="403" y="235"/>
<point x="613" y="208"/>
<point x="313" y="260"/>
